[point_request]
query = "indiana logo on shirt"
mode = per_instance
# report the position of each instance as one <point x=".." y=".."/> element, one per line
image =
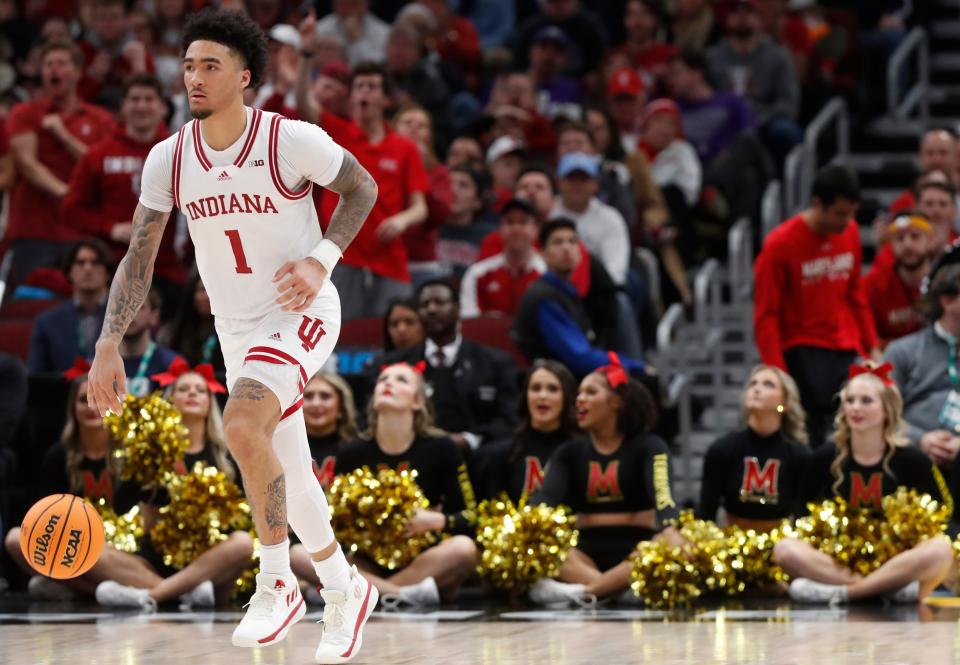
<point x="760" y="485"/>
<point x="603" y="483"/>
<point x="866" y="494"/>
<point x="532" y="475"/>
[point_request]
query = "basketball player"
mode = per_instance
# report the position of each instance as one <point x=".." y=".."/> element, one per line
<point x="243" y="179"/>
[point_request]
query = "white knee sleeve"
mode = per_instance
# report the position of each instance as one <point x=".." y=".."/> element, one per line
<point x="307" y="510"/>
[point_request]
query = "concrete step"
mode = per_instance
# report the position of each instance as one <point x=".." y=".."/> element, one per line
<point x="883" y="197"/>
<point x="948" y="61"/>
<point x="946" y="30"/>
<point x="884" y="161"/>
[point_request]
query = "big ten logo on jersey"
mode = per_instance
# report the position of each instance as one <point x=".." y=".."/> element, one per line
<point x="533" y="475"/>
<point x="255" y="162"/>
<point x="866" y="494"/>
<point x="310" y="333"/>
<point x="760" y="485"/>
<point x="603" y="483"/>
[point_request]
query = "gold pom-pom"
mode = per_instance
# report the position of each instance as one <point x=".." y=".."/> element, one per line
<point x="151" y="438"/>
<point x="750" y="553"/>
<point x="911" y="518"/>
<point x="245" y="584"/>
<point x="861" y="540"/>
<point x="706" y="549"/>
<point x="521" y="543"/>
<point x="665" y="577"/>
<point x="369" y="513"/>
<point x="205" y="506"/>
<point x="122" y="531"/>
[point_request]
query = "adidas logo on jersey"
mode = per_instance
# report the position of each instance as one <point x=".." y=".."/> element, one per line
<point x="223" y="176"/>
<point x="276" y="336"/>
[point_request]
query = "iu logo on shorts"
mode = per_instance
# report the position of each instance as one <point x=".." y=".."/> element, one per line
<point x="310" y="332"/>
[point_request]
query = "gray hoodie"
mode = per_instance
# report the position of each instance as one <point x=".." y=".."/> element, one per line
<point x="766" y="78"/>
<point x="920" y="364"/>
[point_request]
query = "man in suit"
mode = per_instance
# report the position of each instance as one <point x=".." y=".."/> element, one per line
<point x="473" y="387"/>
<point x="71" y="329"/>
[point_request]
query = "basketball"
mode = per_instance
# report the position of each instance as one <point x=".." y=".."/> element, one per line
<point x="61" y="536"/>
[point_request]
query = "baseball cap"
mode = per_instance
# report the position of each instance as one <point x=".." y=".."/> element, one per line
<point x="550" y="33"/>
<point x="339" y="71"/>
<point x="285" y="34"/>
<point x="518" y="204"/>
<point x="503" y="146"/>
<point x="573" y="162"/>
<point x="625" y="82"/>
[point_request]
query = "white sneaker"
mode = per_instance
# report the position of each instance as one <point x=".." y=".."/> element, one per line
<point x="344" y="615"/>
<point x="201" y="596"/>
<point x="274" y="608"/>
<point x="629" y="598"/>
<point x="41" y="587"/>
<point x="552" y="592"/>
<point x="803" y="590"/>
<point x="112" y="594"/>
<point x="907" y="595"/>
<point x="421" y="594"/>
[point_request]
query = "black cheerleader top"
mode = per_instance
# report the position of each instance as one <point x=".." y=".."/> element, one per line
<point x="441" y="474"/>
<point x="754" y="477"/>
<point x="634" y="478"/>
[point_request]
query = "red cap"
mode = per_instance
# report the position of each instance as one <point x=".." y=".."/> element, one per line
<point x="625" y="82"/>
<point x="337" y="70"/>
<point x="662" y="105"/>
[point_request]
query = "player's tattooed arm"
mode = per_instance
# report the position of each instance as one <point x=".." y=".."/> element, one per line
<point x="134" y="274"/>
<point x="358" y="193"/>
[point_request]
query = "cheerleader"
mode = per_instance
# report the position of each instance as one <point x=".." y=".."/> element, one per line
<point x="209" y="579"/>
<point x="547" y="420"/>
<point x="617" y="482"/>
<point x="869" y="459"/>
<point x="401" y="436"/>
<point x="756" y="474"/>
<point x="331" y="418"/>
<point x="81" y="463"/>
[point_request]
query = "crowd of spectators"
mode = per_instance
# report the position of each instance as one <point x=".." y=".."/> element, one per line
<point x="525" y="152"/>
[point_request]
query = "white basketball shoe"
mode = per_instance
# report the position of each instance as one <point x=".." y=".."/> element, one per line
<point x="274" y="608"/>
<point x="344" y="614"/>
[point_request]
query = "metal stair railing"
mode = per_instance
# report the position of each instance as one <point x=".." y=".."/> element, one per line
<point x="902" y="104"/>
<point x="675" y="378"/>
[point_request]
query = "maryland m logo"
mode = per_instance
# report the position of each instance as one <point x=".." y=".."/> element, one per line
<point x="760" y="485"/>
<point x="866" y="494"/>
<point x="603" y="484"/>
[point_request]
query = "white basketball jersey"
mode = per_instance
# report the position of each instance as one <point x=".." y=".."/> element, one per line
<point x="245" y="220"/>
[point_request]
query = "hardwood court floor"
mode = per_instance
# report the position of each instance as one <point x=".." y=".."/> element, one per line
<point x="766" y="637"/>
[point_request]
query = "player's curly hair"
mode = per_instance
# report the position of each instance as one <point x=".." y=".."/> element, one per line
<point x="234" y="30"/>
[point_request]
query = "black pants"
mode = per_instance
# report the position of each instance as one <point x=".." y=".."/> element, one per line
<point x="819" y="374"/>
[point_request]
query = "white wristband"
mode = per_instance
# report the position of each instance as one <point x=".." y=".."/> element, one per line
<point x="327" y="253"/>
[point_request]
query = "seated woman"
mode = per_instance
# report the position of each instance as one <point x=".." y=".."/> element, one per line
<point x="81" y="463"/>
<point x="331" y="419"/>
<point x="617" y="482"/>
<point x="756" y="474"/>
<point x="402" y="327"/>
<point x="401" y="436"/>
<point x="870" y="459"/>
<point x="209" y="579"/>
<point x="547" y="420"/>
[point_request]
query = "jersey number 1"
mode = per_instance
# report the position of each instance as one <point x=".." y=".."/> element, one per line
<point x="237" y="247"/>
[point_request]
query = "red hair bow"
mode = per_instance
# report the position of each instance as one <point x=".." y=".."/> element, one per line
<point x="616" y="375"/>
<point x="80" y="368"/>
<point x="882" y="372"/>
<point x="179" y="367"/>
<point x="418" y="368"/>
